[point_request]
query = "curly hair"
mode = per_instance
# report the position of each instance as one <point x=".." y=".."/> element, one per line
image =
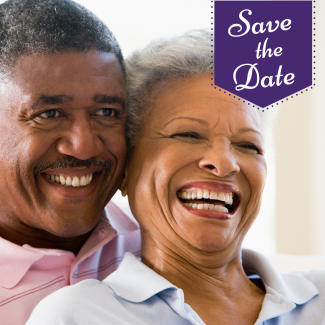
<point x="49" y="27"/>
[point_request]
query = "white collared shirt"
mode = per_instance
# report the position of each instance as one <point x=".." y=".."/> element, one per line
<point x="135" y="294"/>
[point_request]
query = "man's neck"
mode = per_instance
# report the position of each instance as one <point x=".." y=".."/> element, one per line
<point x="22" y="234"/>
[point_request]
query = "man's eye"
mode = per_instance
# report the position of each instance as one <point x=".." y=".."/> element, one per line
<point x="51" y="113"/>
<point x="109" y="112"/>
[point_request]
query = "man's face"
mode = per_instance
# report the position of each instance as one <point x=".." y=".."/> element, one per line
<point x="62" y="140"/>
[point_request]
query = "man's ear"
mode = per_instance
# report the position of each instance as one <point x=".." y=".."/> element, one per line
<point x="123" y="186"/>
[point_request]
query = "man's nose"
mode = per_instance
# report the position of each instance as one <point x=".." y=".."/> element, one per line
<point x="220" y="160"/>
<point x="81" y="140"/>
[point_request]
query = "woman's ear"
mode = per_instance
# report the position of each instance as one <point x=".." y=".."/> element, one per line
<point x="123" y="186"/>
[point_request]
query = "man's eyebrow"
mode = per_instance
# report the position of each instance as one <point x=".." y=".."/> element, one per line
<point x="106" y="99"/>
<point x="204" y="123"/>
<point x="243" y="130"/>
<point x="59" y="99"/>
<point x="51" y="100"/>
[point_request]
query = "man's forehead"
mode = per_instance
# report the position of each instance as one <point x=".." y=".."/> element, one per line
<point x="65" y="74"/>
<point x="59" y="64"/>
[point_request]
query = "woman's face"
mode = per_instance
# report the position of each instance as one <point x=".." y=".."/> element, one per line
<point x="197" y="171"/>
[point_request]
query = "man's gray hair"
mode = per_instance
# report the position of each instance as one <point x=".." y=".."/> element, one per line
<point x="49" y="27"/>
<point x="162" y="61"/>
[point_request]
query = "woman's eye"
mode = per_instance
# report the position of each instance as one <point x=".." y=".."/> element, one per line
<point x="51" y="113"/>
<point x="249" y="146"/>
<point x="108" y="112"/>
<point x="189" y="135"/>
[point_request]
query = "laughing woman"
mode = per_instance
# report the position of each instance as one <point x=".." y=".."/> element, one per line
<point x="194" y="179"/>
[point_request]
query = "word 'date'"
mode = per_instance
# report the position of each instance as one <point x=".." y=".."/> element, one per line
<point x="266" y="81"/>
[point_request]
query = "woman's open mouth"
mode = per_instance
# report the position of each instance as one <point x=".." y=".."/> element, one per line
<point x="203" y="199"/>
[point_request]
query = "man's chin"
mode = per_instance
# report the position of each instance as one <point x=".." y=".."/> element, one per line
<point x="67" y="222"/>
<point x="71" y="230"/>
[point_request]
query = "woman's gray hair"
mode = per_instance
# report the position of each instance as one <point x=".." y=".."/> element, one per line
<point x="164" y="60"/>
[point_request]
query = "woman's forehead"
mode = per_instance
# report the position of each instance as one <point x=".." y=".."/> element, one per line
<point x="196" y="98"/>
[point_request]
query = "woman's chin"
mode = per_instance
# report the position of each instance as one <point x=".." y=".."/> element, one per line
<point x="208" y="241"/>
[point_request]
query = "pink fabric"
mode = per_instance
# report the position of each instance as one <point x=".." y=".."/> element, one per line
<point x="27" y="274"/>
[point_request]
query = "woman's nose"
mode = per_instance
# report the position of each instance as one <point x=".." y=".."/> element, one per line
<point x="80" y="141"/>
<point x="220" y="161"/>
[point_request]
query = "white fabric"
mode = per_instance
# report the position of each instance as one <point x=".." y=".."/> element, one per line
<point x="288" y="262"/>
<point x="135" y="294"/>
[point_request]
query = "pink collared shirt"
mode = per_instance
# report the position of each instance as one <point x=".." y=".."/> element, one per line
<point x="28" y="274"/>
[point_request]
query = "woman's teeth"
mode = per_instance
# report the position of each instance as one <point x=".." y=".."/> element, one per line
<point x="74" y="181"/>
<point x="205" y="194"/>
<point x="210" y="207"/>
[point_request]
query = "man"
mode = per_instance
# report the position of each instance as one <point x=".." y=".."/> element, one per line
<point x="62" y="152"/>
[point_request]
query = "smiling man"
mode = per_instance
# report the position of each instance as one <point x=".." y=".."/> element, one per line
<point x="62" y="152"/>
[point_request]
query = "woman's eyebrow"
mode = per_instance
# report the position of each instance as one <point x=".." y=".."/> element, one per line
<point x="243" y="130"/>
<point x="205" y="123"/>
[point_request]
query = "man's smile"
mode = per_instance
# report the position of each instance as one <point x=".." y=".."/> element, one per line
<point x="73" y="181"/>
<point x="73" y="177"/>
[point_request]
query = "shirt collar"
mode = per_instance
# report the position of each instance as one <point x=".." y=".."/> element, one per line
<point x="102" y="234"/>
<point x="120" y="217"/>
<point x="113" y="221"/>
<point x="283" y="291"/>
<point x="137" y="285"/>
<point x="16" y="260"/>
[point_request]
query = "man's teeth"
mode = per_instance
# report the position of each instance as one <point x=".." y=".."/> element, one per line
<point x="210" y="207"/>
<point x="73" y="182"/>
<point x="205" y="194"/>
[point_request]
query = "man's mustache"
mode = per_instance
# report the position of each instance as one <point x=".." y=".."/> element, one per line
<point x="70" y="161"/>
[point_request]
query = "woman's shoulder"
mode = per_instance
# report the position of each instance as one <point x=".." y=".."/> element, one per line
<point x="259" y="264"/>
<point x="129" y="295"/>
<point x="315" y="276"/>
<point x="295" y="297"/>
<point x="78" y="300"/>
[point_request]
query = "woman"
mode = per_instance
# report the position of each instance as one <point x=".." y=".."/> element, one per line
<point x="194" y="179"/>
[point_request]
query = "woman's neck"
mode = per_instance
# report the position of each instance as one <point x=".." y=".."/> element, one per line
<point x="214" y="285"/>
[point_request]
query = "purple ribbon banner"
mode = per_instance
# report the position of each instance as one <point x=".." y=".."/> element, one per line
<point x="263" y="50"/>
